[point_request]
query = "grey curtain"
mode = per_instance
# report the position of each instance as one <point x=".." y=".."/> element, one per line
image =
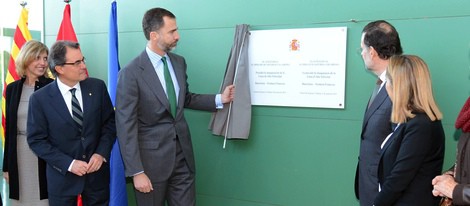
<point x="234" y="120"/>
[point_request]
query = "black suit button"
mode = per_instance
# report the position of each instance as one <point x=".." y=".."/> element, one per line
<point x="83" y="156"/>
<point x="83" y="138"/>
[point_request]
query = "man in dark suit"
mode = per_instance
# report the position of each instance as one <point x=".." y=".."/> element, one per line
<point x="71" y="126"/>
<point x="153" y="133"/>
<point x="379" y="42"/>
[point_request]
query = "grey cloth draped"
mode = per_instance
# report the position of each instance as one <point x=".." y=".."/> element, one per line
<point x="234" y="120"/>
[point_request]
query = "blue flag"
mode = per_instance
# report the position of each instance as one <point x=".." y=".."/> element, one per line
<point x="118" y="194"/>
<point x="113" y="57"/>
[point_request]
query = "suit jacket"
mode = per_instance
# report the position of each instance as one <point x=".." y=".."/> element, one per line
<point x="54" y="137"/>
<point x="146" y="129"/>
<point x="10" y="155"/>
<point x="410" y="159"/>
<point x="376" y="127"/>
<point x="461" y="193"/>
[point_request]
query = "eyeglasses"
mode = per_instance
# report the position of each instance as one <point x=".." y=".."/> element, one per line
<point x="77" y="63"/>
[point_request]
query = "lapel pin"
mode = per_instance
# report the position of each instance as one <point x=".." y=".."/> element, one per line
<point x="89" y="94"/>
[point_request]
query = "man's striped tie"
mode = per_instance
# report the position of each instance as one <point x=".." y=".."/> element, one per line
<point x="77" y="113"/>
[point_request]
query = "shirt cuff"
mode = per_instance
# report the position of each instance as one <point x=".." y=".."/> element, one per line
<point x="218" y="102"/>
<point x="70" y="167"/>
<point x="138" y="173"/>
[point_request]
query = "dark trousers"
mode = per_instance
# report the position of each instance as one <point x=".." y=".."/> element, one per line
<point x="178" y="190"/>
<point x="95" y="192"/>
<point x="96" y="198"/>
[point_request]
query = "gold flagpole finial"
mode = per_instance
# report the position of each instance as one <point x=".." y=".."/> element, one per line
<point x="67" y="1"/>
<point x="23" y="3"/>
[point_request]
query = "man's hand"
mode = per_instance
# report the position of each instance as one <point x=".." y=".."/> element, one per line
<point x="95" y="163"/>
<point x="142" y="183"/>
<point x="443" y="185"/>
<point x="228" y="94"/>
<point x="79" y="167"/>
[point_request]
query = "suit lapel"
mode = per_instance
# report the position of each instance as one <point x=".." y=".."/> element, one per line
<point x="59" y="104"/>
<point x="151" y="79"/>
<point x="179" y="69"/>
<point x="87" y="95"/>
<point x="379" y="100"/>
<point x="392" y="138"/>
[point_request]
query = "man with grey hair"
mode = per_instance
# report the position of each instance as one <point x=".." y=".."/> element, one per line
<point x="71" y="126"/>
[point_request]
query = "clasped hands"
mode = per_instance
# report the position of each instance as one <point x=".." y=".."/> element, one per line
<point x="81" y="168"/>
<point x="444" y="185"/>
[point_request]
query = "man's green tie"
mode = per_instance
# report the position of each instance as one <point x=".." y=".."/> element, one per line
<point x="170" y="89"/>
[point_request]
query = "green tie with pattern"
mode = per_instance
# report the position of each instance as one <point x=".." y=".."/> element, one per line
<point x="170" y="88"/>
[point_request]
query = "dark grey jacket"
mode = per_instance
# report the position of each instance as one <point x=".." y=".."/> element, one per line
<point x="461" y="193"/>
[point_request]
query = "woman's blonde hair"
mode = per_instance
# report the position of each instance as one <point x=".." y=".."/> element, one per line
<point x="410" y="81"/>
<point x="29" y="53"/>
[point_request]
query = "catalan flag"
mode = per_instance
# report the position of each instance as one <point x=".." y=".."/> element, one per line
<point x="21" y="36"/>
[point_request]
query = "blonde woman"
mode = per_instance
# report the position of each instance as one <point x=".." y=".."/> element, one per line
<point x="412" y="155"/>
<point x="25" y="173"/>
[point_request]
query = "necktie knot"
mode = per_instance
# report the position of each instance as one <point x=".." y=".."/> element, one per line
<point x="73" y="91"/>
<point x="379" y="81"/>
<point x="164" y="62"/>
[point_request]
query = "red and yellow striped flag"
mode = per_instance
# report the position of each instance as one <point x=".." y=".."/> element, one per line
<point x="21" y="36"/>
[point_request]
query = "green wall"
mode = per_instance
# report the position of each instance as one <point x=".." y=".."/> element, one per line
<point x="295" y="156"/>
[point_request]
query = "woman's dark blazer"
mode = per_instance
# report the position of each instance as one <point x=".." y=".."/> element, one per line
<point x="10" y="161"/>
<point x="410" y="159"/>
